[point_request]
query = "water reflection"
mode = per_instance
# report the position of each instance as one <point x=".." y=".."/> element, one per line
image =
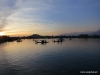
<point x="70" y="56"/>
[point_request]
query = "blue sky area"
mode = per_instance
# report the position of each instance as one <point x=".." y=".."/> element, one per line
<point x="48" y="17"/>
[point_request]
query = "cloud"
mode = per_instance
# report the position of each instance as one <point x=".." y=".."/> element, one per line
<point x="44" y="15"/>
<point x="29" y="11"/>
<point x="6" y="9"/>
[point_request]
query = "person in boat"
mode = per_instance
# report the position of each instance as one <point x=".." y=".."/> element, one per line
<point x="59" y="40"/>
<point x="42" y="41"/>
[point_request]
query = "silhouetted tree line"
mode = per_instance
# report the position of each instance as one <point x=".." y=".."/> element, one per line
<point x="64" y="36"/>
<point x="7" y="39"/>
<point x="11" y="39"/>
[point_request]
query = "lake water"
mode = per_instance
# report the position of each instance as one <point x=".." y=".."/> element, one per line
<point x="66" y="58"/>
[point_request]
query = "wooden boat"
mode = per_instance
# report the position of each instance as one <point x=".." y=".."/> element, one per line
<point x="56" y="41"/>
<point x="59" y="40"/>
<point x="42" y="41"/>
<point x="19" y="40"/>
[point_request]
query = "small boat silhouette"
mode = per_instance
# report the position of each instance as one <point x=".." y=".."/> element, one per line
<point x="42" y="41"/>
<point x="56" y="41"/>
<point x="59" y="40"/>
<point x="19" y="40"/>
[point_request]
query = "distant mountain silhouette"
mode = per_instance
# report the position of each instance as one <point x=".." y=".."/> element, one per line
<point x="97" y="32"/>
<point x="35" y="35"/>
<point x="87" y="32"/>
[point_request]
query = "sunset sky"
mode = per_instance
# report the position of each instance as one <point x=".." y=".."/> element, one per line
<point x="48" y="17"/>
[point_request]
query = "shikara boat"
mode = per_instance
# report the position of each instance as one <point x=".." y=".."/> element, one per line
<point x="19" y="40"/>
<point x="42" y="41"/>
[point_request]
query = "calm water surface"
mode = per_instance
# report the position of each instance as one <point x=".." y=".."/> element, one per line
<point x="67" y="58"/>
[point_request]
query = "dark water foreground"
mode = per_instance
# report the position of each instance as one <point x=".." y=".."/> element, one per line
<point x="68" y="58"/>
